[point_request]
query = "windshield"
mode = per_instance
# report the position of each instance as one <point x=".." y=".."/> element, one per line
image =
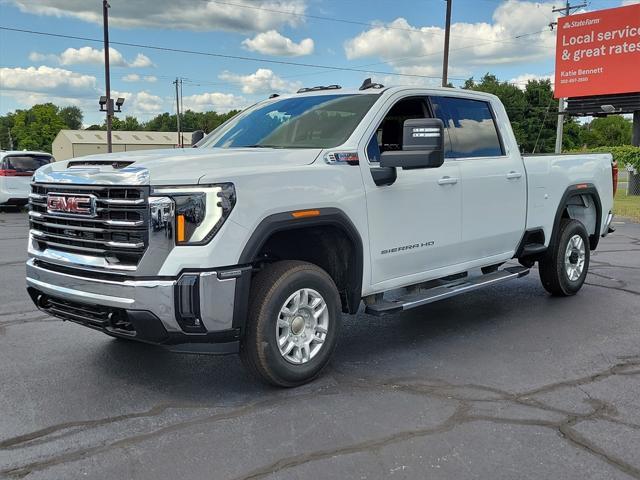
<point x="319" y="121"/>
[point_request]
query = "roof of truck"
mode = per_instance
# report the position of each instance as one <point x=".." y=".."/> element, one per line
<point x="389" y="90"/>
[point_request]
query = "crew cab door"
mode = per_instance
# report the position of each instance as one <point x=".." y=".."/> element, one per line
<point x="495" y="190"/>
<point x="414" y="222"/>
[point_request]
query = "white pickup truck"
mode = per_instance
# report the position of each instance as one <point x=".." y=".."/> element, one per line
<point x="302" y="208"/>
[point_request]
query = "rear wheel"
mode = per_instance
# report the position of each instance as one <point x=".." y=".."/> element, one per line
<point x="564" y="267"/>
<point x="293" y="323"/>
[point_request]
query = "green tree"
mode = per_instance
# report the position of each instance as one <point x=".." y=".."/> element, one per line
<point x="612" y="131"/>
<point x="35" y="129"/>
<point x="573" y="135"/>
<point x="72" y="117"/>
<point x="6" y="124"/>
<point x="165" y="122"/>
<point x="129" y="124"/>
<point x="540" y="117"/>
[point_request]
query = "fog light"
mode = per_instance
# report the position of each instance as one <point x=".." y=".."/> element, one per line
<point x="187" y="300"/>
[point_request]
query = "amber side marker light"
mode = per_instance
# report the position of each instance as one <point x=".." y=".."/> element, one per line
<point x="305" y="213"/>
<point x="582" y="185"/>
<point x="180" y="227"/>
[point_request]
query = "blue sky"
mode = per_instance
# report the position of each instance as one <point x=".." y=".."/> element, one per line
<point x="401" y="39"/>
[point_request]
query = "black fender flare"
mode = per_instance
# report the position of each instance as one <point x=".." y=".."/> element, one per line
<point x="577" y="190"/>
<point x="330" y="216"/>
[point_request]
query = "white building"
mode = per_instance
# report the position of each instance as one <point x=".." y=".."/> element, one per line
<point x="77" y="143"/>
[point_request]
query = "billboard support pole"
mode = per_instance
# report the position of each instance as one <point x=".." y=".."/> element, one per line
<point x="560" y="127"/>
<point x="636" y="129"/>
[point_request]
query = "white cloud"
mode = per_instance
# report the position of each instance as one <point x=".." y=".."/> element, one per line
<point x="134" y="77"/>
<point x="273" y="43"/>
<point x="56" y="82"/>
<point x="200" y="15"/>
<point x="41" y="57"/>
<point x="418" y="50"/>
<point x="141" y="61"/>
<point x="91" y="56"/>
<point x="140" y="102"/>
<point x="521" y="80"/>
<point x="219" y="102"/>
<point x="630" y="2"/>
<point x="262" y="81"/>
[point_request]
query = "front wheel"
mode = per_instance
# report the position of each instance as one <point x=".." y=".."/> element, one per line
<point x="564" y="267"/>
<point x="293" y="323"/>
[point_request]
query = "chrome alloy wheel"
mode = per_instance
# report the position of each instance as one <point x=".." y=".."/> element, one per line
<point x="302" y="326"/>
<point x="574" y="257"/>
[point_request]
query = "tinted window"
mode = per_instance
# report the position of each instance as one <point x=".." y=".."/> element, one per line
<point x="319" y="121"/>
<point x="25" y="163"/>
<point x="472" y="130"/>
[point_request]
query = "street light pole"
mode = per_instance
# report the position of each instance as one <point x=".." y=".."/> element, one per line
<point x="178" y="83"/>
<point x="109" y="106"/>
<point x="566" y="11"/>
<point x="447" y="31"/>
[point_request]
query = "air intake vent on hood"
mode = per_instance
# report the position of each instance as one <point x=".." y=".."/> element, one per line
<point x="98" y="163"/>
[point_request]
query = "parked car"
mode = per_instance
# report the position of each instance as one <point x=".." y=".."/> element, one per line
<point x="302" y="208"/>
<point x="16" y="169"/>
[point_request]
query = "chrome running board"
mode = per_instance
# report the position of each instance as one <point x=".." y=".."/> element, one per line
<point x="448" y="290"/>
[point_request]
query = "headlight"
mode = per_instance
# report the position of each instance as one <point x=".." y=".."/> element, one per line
<point x="200" y="211"/>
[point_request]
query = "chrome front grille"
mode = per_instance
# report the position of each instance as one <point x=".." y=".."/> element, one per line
<point x="117" y="232"/>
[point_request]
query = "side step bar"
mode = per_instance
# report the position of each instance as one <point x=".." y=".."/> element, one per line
<point x="423" y="297"/>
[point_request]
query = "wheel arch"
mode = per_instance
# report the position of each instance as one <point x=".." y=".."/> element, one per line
<point x="571" y="198"/>
<point x="344" y="263"/>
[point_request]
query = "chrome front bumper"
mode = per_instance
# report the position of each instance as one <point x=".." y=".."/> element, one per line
<point x="216" y="294"/>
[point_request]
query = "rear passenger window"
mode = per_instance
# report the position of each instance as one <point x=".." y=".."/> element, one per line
<point x="471" y="127"/>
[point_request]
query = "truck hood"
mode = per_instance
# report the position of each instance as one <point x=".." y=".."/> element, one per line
<point x="176" y="166"/>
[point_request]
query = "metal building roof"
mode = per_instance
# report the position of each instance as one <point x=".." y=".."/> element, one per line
<point x="124" y="137"/>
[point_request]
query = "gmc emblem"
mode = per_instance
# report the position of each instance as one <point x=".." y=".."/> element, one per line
<point x="76" y="205"/>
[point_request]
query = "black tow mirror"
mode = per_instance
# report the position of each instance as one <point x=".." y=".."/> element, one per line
<point x="422" y="145"/>
<point x="196" y="137"/>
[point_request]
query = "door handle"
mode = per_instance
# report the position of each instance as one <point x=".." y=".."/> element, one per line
<point x="513" y="175"/>
<point x="447" y="181"/>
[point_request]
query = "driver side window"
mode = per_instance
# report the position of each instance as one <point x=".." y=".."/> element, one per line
<point x="388" y="135"/>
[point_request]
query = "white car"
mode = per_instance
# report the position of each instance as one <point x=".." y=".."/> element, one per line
<point x="302" y="208"/>
<point x="16" y="170"/>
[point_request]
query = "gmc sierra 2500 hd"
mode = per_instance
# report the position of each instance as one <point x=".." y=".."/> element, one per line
<point x="301" y="208"/>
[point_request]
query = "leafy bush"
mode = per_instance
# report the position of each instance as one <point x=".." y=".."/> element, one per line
<point x="626" y="156"/>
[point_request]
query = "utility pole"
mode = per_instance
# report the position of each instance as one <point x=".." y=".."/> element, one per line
<point x="447" y="31"/>
<point x="107" y="79"/>
<point x="177" y="84"/>
<point x="10" y="139"/>
<point x="565" y="11"/>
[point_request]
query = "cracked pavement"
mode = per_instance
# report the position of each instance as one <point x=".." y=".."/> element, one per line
<point x="505" y="382"/>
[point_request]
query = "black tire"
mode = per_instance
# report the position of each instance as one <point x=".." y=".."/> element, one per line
<point x="270" y="289"/>
<point x="553" y="274"/>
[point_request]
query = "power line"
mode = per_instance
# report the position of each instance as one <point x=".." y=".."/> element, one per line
<point x="343" y="20"/>
<point x="218" y="55"/>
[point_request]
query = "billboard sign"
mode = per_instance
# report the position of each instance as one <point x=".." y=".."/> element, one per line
<point x="598" y="53"/>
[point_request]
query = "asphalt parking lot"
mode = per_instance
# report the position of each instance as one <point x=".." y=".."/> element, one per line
<point x="501" y="383"/>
